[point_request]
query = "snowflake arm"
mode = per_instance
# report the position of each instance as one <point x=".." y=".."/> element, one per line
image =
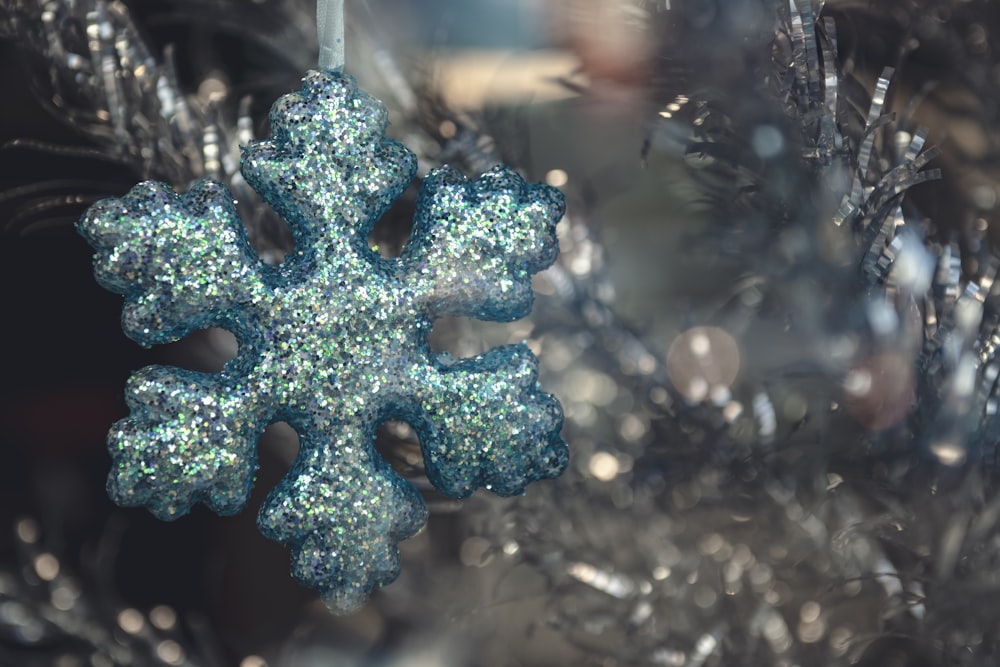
<point x="190" y="437"/>
<point x="342" y="509"/>
<point x="485" y="422"/>
<point x="477" y="243"/>
<point x="330" y="199"/>
<point x="181" y="261"/>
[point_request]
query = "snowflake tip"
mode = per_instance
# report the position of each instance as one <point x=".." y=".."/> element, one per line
<point x="317" y="191"/>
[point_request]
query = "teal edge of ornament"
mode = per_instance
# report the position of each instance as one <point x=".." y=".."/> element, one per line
<point x="333" y="341"/>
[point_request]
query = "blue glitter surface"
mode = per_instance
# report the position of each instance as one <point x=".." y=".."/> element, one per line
<point x="333" y="341"/>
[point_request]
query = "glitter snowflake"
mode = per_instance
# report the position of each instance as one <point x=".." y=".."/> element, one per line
<point x="333" y="341"/>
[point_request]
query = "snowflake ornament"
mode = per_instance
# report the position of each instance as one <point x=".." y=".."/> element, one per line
<point x="333" y="341"/>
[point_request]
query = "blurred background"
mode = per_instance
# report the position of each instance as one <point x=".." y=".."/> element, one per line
<point x="774" y="461"/>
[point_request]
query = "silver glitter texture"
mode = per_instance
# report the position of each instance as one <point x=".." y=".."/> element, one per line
<point x="333" y="341"/>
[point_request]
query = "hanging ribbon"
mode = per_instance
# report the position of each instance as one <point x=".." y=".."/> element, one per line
<point x="330" y="30"/>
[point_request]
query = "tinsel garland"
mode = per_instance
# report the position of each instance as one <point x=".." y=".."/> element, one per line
<point x="830" y="501"/>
